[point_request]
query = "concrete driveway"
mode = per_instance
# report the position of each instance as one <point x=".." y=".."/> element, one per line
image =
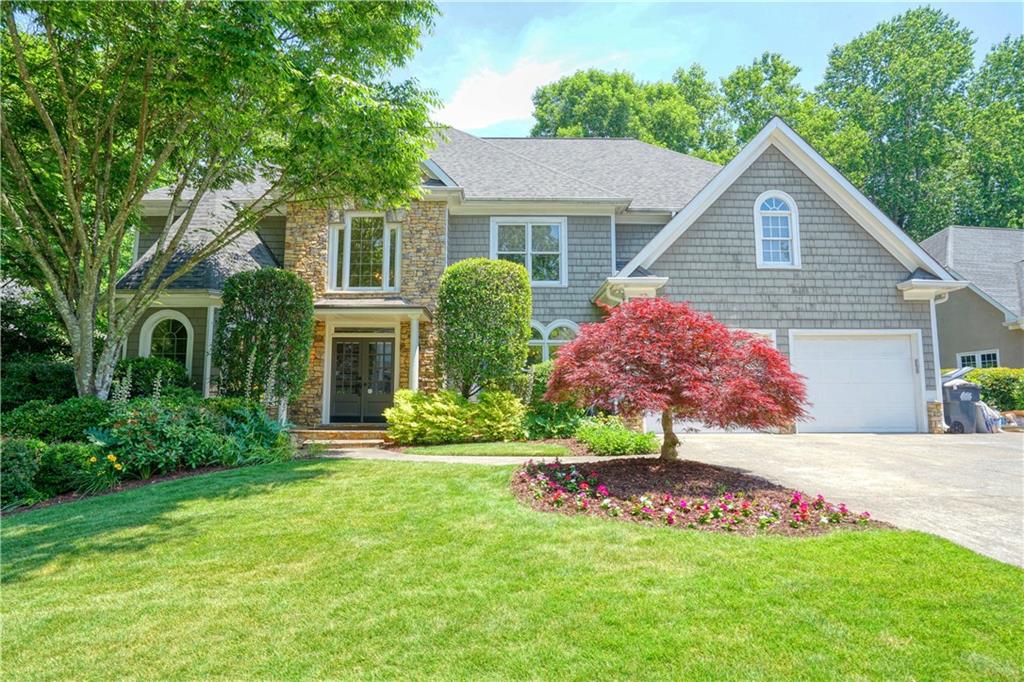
<point x="968" y="489"/>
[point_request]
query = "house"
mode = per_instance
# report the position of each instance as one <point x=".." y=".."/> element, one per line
<point x="983" y="324"/>
<point x="776" y="242"/>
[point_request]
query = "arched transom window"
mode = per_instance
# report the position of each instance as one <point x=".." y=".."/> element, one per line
<point x="777" y="231"/>
<point x="167" y="334"/>
<point x="545" y="341"/>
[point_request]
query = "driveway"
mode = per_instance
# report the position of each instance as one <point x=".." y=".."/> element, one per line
<point x="968" y="489"/>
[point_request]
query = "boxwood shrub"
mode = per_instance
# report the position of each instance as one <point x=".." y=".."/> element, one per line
<point x="446" y="417"/>
<point x="19" y="463"/>
<point x="35" y="377"/>
<point x="609" y="436"/>
<point x="65" y="422"/>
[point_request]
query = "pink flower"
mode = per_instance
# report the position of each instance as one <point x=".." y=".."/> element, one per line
<point x="682" y="504"/>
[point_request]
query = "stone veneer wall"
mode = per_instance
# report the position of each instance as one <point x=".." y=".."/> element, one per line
<point x="423" y="261"/>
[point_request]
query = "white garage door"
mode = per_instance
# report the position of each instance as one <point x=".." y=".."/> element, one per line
<point x="858" y="382"/>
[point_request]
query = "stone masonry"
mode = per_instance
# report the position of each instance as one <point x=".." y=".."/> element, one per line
<point x="423" y="260"/>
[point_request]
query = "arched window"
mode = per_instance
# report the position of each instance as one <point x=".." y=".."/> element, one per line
<point x="546" y="341"/>
<point x="167" y="334"/>
<point x="776" y="231"/>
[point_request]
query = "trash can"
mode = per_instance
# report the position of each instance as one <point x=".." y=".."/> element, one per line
<point x="959" y="399"/>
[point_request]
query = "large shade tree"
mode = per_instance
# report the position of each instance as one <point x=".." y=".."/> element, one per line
<point x="104" y="101"/>
<point x="653" y="355"/>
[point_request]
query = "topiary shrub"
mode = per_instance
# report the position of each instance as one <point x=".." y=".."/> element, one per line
<point x="447" y="417"/>
<point x="545" y="419"/>
<point x="609" y="436"/>
<point x="144" y="372"/>
<point x="35" y="377"/>
<point x="264" y="335"/>
<point x="60" y="423"/>
<point x="483" y="324"/>
<point x="19" y="462"/>
<point x="1001" y="387"/>
<point x="61" y="467"/>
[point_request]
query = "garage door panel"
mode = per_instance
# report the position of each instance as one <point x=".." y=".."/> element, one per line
<point x="858" y="383"/>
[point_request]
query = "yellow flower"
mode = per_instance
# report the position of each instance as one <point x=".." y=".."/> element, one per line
<point x="112" y="458"/>
<point x="92" y="459"/>
<point x="117" y="466"/>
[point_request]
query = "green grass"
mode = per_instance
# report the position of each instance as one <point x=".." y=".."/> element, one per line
<point x="369" y="570"/>
<point x="513" y="449"/>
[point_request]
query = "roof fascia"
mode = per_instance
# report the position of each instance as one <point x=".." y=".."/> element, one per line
<point x="536" y="207"/>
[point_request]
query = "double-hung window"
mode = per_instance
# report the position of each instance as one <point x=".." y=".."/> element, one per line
<point x="538" y="244"/>
<point x="776" y="231"/>
<point x="978" y="359"/>
<point x="365" y="254"/>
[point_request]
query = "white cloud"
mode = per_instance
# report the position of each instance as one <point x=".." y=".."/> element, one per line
<point x="487" y="97"/>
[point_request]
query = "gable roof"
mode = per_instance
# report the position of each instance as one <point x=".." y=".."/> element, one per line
<point x="485" y="170"/>
<point x="214" y="212"/>
<point x="992" y="258"/>
<point x="776" y="133"/>
<point x="654" y="178"/>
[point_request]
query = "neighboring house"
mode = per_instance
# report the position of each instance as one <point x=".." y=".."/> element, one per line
<point x="775" y="242"/>
<point x="983" y="324"/>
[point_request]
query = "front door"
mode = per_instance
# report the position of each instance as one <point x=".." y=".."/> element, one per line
<point x="362" y="379"/>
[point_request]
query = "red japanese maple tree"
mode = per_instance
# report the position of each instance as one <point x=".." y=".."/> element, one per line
<point x="652" y="355"/>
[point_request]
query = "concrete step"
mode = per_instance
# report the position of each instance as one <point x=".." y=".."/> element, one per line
<point x="334" y="445"/>
<point x="324" y="435"/>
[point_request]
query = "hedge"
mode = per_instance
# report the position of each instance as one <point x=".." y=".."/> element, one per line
<point x="145" y="371"/>
<point x="35" y="377"/>
<point x="1001" y="387"/>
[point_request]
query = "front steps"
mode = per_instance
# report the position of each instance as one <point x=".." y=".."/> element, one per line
<point x="343" y="436"/>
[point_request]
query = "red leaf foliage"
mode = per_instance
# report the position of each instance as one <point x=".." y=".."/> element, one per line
<point x="651" y="354"/>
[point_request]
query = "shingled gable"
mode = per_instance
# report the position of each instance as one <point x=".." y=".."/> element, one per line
<point x="776" y="133"/>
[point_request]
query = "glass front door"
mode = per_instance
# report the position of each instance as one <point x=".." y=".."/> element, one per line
<point x="362" y="379"/>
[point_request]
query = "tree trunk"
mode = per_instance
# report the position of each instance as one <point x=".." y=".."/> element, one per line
<point x="669" y="443"/>
<point x="282" y="410"/>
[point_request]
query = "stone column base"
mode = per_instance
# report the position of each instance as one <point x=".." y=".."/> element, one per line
<point x="936" y="422"/>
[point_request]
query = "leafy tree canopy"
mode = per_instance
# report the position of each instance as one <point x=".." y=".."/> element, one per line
<point x="104" y="101"/>
<point x="899" y="111"/>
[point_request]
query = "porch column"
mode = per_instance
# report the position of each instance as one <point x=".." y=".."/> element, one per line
<point x="414" y="353"/>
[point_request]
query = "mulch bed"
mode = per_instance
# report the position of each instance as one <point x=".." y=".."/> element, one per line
<point x="119" y="488"/>
<point x="648" y="491"/>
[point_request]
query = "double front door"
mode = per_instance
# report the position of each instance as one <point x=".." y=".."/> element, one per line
<point x="362" y="379"/>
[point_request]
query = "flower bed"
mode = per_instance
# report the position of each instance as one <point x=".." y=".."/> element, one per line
<point x="681" y="494"/>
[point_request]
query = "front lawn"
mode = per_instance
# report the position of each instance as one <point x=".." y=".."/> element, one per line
<point x="510" y="449"/>
<point x="364" y="569"/>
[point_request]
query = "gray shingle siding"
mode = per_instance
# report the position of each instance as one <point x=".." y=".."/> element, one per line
<point x="847" y="279"/>
<point x="630" y="238"/>
<point x="197" y="317"/>
<point x="590" y="262"/>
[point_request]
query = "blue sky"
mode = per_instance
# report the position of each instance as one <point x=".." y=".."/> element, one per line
<point x="485" y="59"/>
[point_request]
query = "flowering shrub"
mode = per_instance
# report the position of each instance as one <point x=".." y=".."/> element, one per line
<point x="572" y="489"/>
<point x="418" y="418"/>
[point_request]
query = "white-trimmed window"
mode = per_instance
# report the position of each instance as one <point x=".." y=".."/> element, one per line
<point x="978" y="359"/>
<point x="364" y="254"/>
<point x="538" y="244"/>
<point x="776" y="231"/>
<point x="545" y="341"/>
<point x="167" y="334"/>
